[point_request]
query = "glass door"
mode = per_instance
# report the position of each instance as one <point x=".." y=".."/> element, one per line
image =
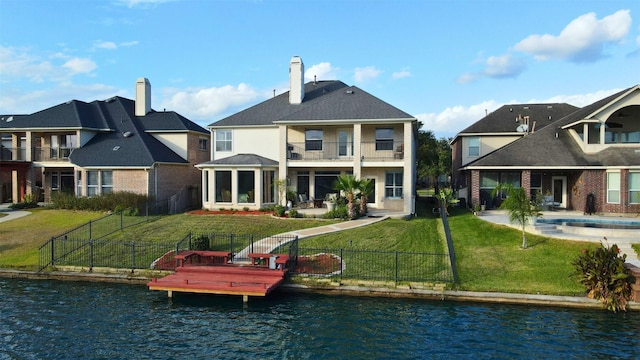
<point x="345" y="143"/>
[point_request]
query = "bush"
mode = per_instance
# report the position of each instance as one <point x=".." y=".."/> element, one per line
<point x="29" y="201"/>
<point x="201" y="243"/>
<point x="132" y="203"/>
<point x="293" y="213"/>
<point x="604" y="275"/>
<point x="278" y="210"/>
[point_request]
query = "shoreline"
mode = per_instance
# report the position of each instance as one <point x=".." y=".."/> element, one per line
<point x="127" y="277"/>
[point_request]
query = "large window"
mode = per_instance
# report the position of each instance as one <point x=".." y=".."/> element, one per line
<point x="393" y="184"/>
<point x="634" y="188"/>
<point x="313" y="140"/>
<point x="223" y="140"/>
<point x="106" y="182"/>
<point x="205" y="185"/>
<point x="384" y="139"/>
<point x="246" y="186"/>
<point x="474" y="146"/>
<point x="613" y="187"/>
<point x="536" y="184"/>
<point x="223" y="185"/>
<point x="92" y="183"/>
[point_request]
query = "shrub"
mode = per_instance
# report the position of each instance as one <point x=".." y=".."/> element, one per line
<point x="201" y="243"/>
<point x="604" y="275"/>
<point x="293" y="213"/>
<point x="109" y="202"/>
<point x="29" y="201"/>
<point x="278" y="210"/>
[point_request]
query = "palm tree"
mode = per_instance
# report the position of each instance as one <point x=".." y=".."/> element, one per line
<point x="366" y="188"/>
<point x="521" y="208"/>
<point x="348" y="185"/>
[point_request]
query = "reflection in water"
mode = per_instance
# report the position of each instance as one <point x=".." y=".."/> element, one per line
<point x="73" y="320"/>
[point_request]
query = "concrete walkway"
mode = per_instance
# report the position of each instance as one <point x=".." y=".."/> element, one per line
<point x="10" y="213"/>
<point x="620" y="238"/>
<point x="267" y="245"/>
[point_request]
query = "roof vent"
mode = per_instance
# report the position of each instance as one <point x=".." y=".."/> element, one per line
<point x="10" y="118"/>
<point x="349" y="91"/>
<point x="116" y="148"/>
<point x="127" y="134"/>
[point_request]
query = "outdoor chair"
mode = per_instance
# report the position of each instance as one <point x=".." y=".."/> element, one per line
<point x="304" y="202"/>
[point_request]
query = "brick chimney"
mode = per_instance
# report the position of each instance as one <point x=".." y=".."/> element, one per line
<point x="296" y="81"/>
<point x="143" y="97"/>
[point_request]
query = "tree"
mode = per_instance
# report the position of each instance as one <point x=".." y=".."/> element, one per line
<point x="433" y="156"/>
<point x="349" y="185"/>
<point x="366" y="188"/>
<point x="521" y="208"/>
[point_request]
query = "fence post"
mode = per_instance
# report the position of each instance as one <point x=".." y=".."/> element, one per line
<point x="133" y="257"/>
<point x="396" y="267"/>
<point x="90" y="230"/>
<point x="341" y="264"/>
<point x="121" y="220"/>
<point x="53" y="257"/>
<point x="90" y="255"/>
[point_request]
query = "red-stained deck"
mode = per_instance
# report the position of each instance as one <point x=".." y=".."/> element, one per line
<point x="222" y="278"/>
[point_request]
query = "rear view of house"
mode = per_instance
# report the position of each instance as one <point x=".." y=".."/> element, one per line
<point x="90" y="149"/>
<point x="578" y="156"/>
<point x="303" y="140"/>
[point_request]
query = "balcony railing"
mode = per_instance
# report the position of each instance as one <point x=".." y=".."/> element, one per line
<point x="39" y="154"/>
<point x="316" y="150"/>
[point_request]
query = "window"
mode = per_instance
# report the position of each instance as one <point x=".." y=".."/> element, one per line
<point x="203" y="144"/>
<point x="474" y="146"/>
<point x="92" y="183"/>
<point x="79" y="183"/>
<point x="246" y="186"/>
<point x="106" y="182"/>
<point x="634" y="188"/>
<point x="313" y="140"/>
<point x="536" y="184"/>
<point x="393" y="184"/>
<point x="223" y="140"/>
<point x="613" y="187"/>
<point x="223" y="186"/>
<point x="384" y="139"/>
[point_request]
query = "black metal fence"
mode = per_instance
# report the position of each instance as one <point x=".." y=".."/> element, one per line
<point x="395" y="266"/>
<point x="75" y="241"/>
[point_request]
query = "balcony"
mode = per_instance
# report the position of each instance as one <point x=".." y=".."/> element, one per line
<point x="324" y="150"/>
<point x="51" y="153"/>
<point x="13" y="154"/>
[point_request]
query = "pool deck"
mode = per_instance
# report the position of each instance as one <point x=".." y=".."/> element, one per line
<point x="623" y="238"/>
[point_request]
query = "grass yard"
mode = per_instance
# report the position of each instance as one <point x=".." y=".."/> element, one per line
<point x="489" y="257"/>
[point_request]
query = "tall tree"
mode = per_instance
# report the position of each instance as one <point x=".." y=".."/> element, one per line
<point x="433" y="156"/>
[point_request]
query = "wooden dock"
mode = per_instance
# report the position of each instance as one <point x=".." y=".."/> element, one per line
<point x="214" y="277"/>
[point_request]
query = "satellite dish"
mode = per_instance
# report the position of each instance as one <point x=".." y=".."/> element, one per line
<point x="522" y="128"/>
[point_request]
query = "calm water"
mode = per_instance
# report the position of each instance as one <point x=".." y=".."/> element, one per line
<point x="73" y="320"/>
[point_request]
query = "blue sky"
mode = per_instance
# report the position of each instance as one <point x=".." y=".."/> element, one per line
<point x="445" y="62"/>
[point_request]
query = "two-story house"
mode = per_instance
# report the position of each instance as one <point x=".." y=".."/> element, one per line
<point x="591" y="152"/>
<point x="101" y="147"/>
<point x="304" y="139"/>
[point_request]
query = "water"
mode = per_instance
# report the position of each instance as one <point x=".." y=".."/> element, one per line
<point x="75" y="320"/>
<point x="595" y="223"/>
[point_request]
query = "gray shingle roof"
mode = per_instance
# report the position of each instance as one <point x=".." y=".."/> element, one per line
<point x="544" y="149"/>
<point x="323" y="100"/>
<point x="243" y="160"/>
<point x="112" y="119"/>
<point x="504" y="119"/>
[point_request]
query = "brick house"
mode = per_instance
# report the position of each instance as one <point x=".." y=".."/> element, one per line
<point x="100" y="147"/>
<point x="565" y="153"/>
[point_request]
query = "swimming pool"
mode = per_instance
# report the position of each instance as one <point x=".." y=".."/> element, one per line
<point x="624" y="228"/>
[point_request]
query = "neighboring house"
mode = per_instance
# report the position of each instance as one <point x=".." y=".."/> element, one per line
<point x="101" y="147"/>
<point x="307" y="137"/>
<point x="592" y="152"/>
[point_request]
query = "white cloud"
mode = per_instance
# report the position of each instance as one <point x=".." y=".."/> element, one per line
<point x="107" y="45"/>
<point x="578" y="100"/>
<point x="401" y="74"/>
<point x="15" y="64"/>
<point x="497" y="67"/>
<point x="583" y="40"/>
<point x="452" y="120"/>
<point x="129" y="43"/>
<point x="322" y="71"/>
<point x="208" y="103"/>
<point x="366" y="73"/>
<point x="80" y="66"/>
<point x="142" y="3"/>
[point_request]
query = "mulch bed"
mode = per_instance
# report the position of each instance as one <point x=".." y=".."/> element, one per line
<point x="318" y="264"/>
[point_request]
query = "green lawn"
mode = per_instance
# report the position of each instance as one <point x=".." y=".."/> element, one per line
<point x="489" y="257"/>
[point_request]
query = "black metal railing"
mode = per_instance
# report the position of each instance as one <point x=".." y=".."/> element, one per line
<point x="450" y="249"/>
<point x="362" y="264"/>
<point x="325" y="150"/>
<point x="74" y="242"/>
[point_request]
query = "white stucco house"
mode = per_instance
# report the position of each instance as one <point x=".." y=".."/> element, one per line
<point x="306" y="138"/>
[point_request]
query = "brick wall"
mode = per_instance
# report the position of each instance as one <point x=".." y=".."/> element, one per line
<point x="130" y="180"/>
